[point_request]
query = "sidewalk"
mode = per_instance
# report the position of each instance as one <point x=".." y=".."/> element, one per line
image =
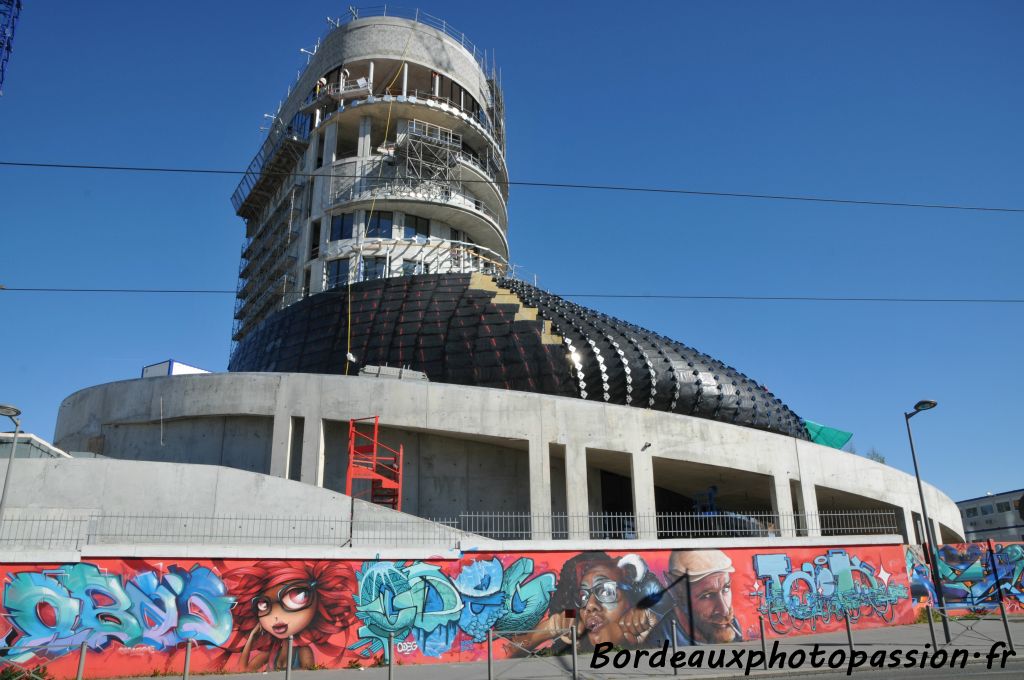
<point x="979" y="640"/>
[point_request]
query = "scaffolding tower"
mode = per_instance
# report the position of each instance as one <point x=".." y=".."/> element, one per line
<point x="427" y="156"/>
<point x="9" y="12"/>
<point x="265" y="279"/>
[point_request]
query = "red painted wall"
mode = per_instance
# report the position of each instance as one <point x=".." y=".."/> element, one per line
<point x="136" y="616"/>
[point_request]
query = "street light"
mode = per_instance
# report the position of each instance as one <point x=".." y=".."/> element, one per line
<point x="11" y="412"/>
<point x="927" y="405"/>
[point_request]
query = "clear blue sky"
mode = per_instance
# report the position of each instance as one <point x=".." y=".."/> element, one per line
<point x="909" y="101"/>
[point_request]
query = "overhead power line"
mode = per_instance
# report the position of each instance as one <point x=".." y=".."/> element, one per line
<point x="548" y="185"/>
<point x="751" y="298"/>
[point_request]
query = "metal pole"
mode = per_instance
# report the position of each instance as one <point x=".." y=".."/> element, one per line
<point x="81" y="662"/>
<point x="849" y="633"/>
<point x="391" y="655"/>
<point x="675" y="669"/>
<point x="572" y="635"/>
<point x="999" y="593"/>
<point x="490" y="654"/>
<point x="929" y="535"/>
<point x="188" y="659"/>
<point x="288" y="659"/>
<point x="764" y="643"/>
<point x="931" y="626"/>
<point x="689" y="609"/>
<point x="10" y="469"/>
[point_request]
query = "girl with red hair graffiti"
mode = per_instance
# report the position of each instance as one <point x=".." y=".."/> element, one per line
<point x="308" y="599"/>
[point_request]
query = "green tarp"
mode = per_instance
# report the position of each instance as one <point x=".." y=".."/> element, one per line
<point x="827" y="436"/>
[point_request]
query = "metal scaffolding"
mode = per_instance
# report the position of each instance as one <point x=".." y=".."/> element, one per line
<point x="265" y="279"/>
<point x="427" y="156"/>
<point x="10" y="10"/>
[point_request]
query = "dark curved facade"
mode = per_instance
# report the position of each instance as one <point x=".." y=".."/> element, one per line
<point x="471" y="329"/>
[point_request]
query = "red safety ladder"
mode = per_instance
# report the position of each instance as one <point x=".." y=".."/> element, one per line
<point x="369" y="459"/>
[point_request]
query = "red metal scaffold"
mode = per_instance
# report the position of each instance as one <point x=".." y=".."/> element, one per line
<point x="369" y="459"/>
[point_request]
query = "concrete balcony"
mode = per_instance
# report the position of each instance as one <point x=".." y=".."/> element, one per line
<point x="376" y="181"/>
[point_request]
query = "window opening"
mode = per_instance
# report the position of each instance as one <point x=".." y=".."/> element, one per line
<point x="375" y="268"/>
<point x="342" y="226"/>
<point x="416" y="226"/>
<point x="337" y="273"/>
<point x="314" y="240"/>
<point x="379" y="225"/>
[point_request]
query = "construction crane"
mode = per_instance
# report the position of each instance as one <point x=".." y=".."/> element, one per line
<point x="9" y="12"/>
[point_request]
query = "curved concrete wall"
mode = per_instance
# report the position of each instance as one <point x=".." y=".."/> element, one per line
<point x="390" y="38"/>
<point x="542" y="430"/>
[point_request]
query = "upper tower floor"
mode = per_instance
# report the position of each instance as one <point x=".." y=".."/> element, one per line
<point x="386" y="158"/>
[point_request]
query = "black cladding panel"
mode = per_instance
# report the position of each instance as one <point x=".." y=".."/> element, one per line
<point x="455" y="333"/>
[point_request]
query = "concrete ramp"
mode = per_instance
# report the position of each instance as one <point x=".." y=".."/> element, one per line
<point x="75" y="503"/>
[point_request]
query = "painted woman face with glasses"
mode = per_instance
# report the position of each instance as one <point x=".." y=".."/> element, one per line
<point x="286" y="609"/>
<point x="602" y="603"/>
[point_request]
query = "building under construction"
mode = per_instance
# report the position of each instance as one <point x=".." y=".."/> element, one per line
<point x="376" y="241"/>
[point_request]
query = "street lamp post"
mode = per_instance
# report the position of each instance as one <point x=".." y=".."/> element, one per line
<point x="12" y="413"/>
<point x="924" y="405"/>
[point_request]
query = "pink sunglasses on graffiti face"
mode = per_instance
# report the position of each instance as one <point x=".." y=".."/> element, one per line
<point x="293" y="597"/>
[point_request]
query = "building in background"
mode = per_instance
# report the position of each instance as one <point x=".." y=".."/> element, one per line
<point x="997" y="516"/>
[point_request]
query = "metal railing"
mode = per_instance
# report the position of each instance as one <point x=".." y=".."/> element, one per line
<point x="348" y="185"/>
<point x="50" y="530"/>
<point x="628" y="526"/>
<point x="419" y="17"/>
<point x="43" y="529"/>
<point x="418" y="256"/>
<point x="47" y="529"/>
<point x="297" y="130"/>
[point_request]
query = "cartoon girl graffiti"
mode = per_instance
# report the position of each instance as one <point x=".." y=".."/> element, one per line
<point x="308" y="599"/>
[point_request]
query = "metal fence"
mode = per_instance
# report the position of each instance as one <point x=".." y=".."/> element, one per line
<point x="628" y="526"/>
<point x="49" y="529"/>
<point x="53" y="530"/>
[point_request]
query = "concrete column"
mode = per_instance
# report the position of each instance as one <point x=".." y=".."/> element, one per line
<point x="782" y="505"/>
<point x="281" y="437"/>
<point x="809" y="508"/>
<point x="909" y="534"/>
<point x="364" y="137"/>
<point x="363" y="151"/>
<point x="330" y="143"/>
<point x="540" y="488"/>
<point x="313" y="449"/>
<point x="316" y="273"/>
<point x="935" y="531"/>
<point x="577" y="502"/>
<point x="643" y="496"/>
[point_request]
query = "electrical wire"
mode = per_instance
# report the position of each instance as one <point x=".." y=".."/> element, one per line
<point x="552" y="185"/>
<point x="640" y="296"/>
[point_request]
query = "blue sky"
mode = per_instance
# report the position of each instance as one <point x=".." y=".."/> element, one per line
<point x="909" y="101"/>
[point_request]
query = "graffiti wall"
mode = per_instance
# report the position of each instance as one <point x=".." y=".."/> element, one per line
<point x="136" y="616"/>
<point x="972" y="577"/>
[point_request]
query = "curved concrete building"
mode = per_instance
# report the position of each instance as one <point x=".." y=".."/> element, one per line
<point x="485" y="450"/>
<point x="376" y="235"/>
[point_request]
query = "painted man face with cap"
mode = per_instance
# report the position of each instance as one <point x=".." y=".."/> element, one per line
<point x="709" y="573"/>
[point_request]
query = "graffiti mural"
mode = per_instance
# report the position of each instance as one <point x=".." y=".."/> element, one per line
<point x="56" y="610"/>
<point x="137" y="616"/>
<point x="834" y="585"/>
<point x="972" y="576"/>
